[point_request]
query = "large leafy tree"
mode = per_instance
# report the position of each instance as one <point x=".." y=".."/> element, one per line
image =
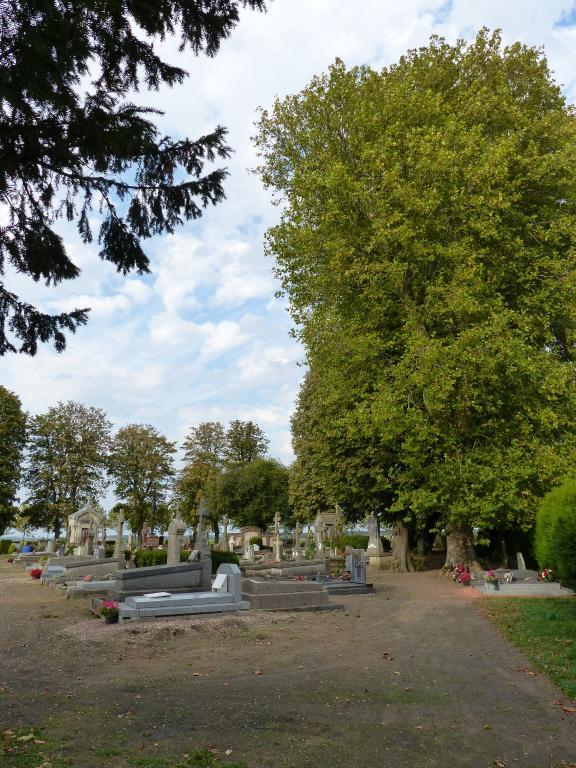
<point x="72" y="144"/>
<point x="252" y="493"/>
<point x="245" y="442"/>
<point x="12" y="440"/>
<point x="141" y="466"/>
<point x="428" y="249"/>
<point x="204" y="454"/>
<point x="66" y="463"/>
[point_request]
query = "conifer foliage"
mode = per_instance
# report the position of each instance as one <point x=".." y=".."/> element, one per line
<point x="72" y="145"/>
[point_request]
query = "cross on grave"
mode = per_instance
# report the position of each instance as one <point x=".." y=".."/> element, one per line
<point x="277" y="541"/>
<point x="201" y="537"/>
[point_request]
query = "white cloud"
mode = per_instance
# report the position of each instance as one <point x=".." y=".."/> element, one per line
<point x="202" y="337"/>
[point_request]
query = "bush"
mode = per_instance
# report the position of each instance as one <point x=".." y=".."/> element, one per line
<point x="5" y="546"/>
<point x="355" y="540"/>
<point x="555" y="536"/>
<point x="223" y="557"/>
<point x="256" y="540"/>
<point x="13" y="548"/>
<point x="147" y="557"/>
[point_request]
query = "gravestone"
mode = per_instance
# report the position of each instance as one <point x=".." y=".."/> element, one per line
<point x="297" y="551"/>
<point x="356" y="565"/>
<point x="277" y="540"/>
<point x="119" y="545"/>
<point x="201" y="537"/>
<point x="176" y="531"/>
<point x="223" y="543"/>
<point x="249" y="553"/>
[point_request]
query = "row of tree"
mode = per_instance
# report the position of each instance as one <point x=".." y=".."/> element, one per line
<point x="69" y="456"/>
<point x="427" y="247"/>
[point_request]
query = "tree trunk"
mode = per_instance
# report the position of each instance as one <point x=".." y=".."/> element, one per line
<point x="460" y="550"/>
<point x="57" y="528"/>
<point x="216" y="528"/>
<point x="401" y="560"/>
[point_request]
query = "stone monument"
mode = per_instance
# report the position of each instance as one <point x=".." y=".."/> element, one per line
<point x="277" y="556"/>
<point x="297" y="551"/>
<point x="176" y="531"/>
<point x="119" y="545"/>
<point x="201" y="537"/>
<point x="223" y="543"/>
<point x="375" y="550"/>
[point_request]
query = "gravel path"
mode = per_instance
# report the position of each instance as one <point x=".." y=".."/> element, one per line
<point x="412" y="677"/>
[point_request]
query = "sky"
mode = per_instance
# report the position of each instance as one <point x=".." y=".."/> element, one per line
<point x="203" y="337"/>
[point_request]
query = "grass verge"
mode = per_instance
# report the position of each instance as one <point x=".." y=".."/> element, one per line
<point x="545" y="630"/>
<point x="28" y="748"/>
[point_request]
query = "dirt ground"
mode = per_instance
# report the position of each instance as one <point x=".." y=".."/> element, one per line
<point x="410" y="677"/>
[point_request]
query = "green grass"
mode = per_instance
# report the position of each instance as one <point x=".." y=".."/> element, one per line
<point x="29" y="748"/>
<point x="545" y="630"/>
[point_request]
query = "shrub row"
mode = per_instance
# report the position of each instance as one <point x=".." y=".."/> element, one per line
<point x="147" y="557"/>
<point x="555" y="535"/>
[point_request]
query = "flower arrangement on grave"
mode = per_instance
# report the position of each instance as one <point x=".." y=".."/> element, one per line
<point x="345" y="574"/>
<point x="87" y="577"/>
<point x="109" y="611"/>
<point x="490" y="577"/>
<point x="35" y="573"/>
<point x="461" y="574"/>
<point x="546" y="575"/>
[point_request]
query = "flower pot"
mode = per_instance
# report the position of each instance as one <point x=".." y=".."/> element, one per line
<point x="35" y="575"/>
<point x="111" y="619"/>
<point x="494" y="585"/>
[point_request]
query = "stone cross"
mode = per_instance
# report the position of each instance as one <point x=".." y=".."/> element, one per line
<point x="119" y="545"/>
<point x="201" y="537"/>
<point x="224" y="539"/>
<point x="277" y="540"/>
<point x="374" y="548"/>
<point x="297" y="549"/>
<point x="176" y="531"/>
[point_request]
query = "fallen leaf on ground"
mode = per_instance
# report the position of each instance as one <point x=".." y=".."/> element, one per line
<point x="28" y="737"/>
<point x="569" y="710"/>
<point x="526" y="671"/>
<point x="258" y="672"/>
<point x="227" y="751"/>
<point x="498" y="763"/>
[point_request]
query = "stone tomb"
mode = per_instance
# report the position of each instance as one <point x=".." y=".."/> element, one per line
<point x="357" y="584"/>
<point x="224" y="596"/>
<point x="61" y="572"/>
<point x="184" y="577"/>
<point x="286" y="595"/>
<point x="525" y="583"/>
<point x="287" y="568"/>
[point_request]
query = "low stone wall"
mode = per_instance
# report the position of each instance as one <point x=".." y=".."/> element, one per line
<point x="287" y="568"/>
<point x="280" y="595"/>
<point x="91" y="567"/>
<point x="185" y="577"/>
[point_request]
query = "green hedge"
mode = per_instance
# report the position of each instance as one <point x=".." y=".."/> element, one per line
<point x="5" y="546"/>
<point x="555" y="535"/>
<point x="147" y="557"/>
<point x="223" y="557"/>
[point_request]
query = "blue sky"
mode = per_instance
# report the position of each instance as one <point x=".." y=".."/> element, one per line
<point x="203" y="337"/>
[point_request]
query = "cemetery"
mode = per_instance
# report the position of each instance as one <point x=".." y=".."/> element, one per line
<point x="383" y="575"/>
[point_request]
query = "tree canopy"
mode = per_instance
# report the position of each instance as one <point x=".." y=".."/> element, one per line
<point x="427" y="248"/>
<point x="73" y="145"/>
<point x="141" y="464"/>
<point x="66" y="462"/>
<point x="252" y="493"/>
<point x="12" y="440"/>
